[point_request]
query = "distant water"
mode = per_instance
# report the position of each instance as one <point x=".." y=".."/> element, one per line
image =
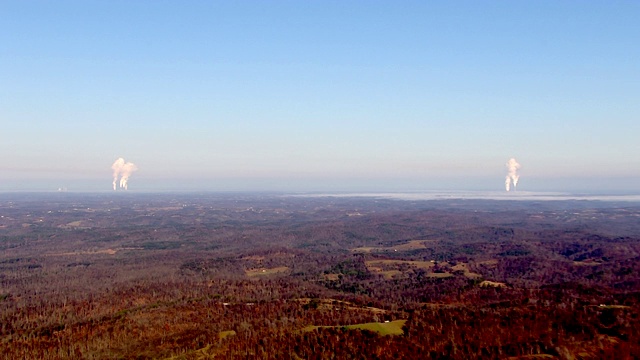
<point x="480" y="195"/>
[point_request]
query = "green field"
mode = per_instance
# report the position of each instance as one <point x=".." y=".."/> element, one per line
<point x="382" y="328"/>
<point x="224" y="334"/>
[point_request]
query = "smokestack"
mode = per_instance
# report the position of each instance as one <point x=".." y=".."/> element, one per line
<point x="512" y="174"/>
<point x="123" y="170"/>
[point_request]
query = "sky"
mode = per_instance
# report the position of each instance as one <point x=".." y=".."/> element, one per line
<point x="320" y="95"/>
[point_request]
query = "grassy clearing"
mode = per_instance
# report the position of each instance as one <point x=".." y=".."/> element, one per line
<point x="266" y="271"/>
<point x="587" y="263"/>
<point x="411" y="245"/>
<point x="331" y="277"/>
<point x="372" y="265"/>
<point x="382" y="328"/>
<point x="385" y="328"/>
<point x="224" y="334"/>
<point x="604" y="306"/>
<point x="364" y="249"/>
<point x="464" y="268"/>
<point x="390" y="268"/>
<point x="93" y="252"/>
<point x="253" y="258"/>
<point x="488" y="283"/>
<point x="332" y="304"/>
<point x="440" y="275"/>
<point x="390" y="274"/>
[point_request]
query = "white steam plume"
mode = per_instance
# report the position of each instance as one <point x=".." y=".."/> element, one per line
<point x="123" y="170"/>
<point x="117" y="167"/>
<point x="512" y="175"/>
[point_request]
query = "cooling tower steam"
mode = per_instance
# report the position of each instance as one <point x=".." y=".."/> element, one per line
<point x="512" y="174"/>
<point x="122" y="170"/>
<point x="116" y="167"/>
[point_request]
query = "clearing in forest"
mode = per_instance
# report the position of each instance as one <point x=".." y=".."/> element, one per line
<point x="390" y="268"/>
<point x="333" y="304"/>
<point x="224" y="334"/>
<point x="411" y="245"/>
<point x="382" y="328"/>
<point x="267" y="271"/>
<point x="464" y="268"/>
<point x="488" y="283"/>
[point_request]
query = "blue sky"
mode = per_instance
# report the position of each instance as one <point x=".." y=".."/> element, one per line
<point x="320" y="95"/>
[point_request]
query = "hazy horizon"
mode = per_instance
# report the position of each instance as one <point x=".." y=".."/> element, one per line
<point x="336" y="188"/>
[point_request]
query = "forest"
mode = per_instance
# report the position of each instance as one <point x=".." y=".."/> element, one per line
<point x="275" y="276"/>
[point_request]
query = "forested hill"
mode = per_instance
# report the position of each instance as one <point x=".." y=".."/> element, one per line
<point x="235" y="276"/>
